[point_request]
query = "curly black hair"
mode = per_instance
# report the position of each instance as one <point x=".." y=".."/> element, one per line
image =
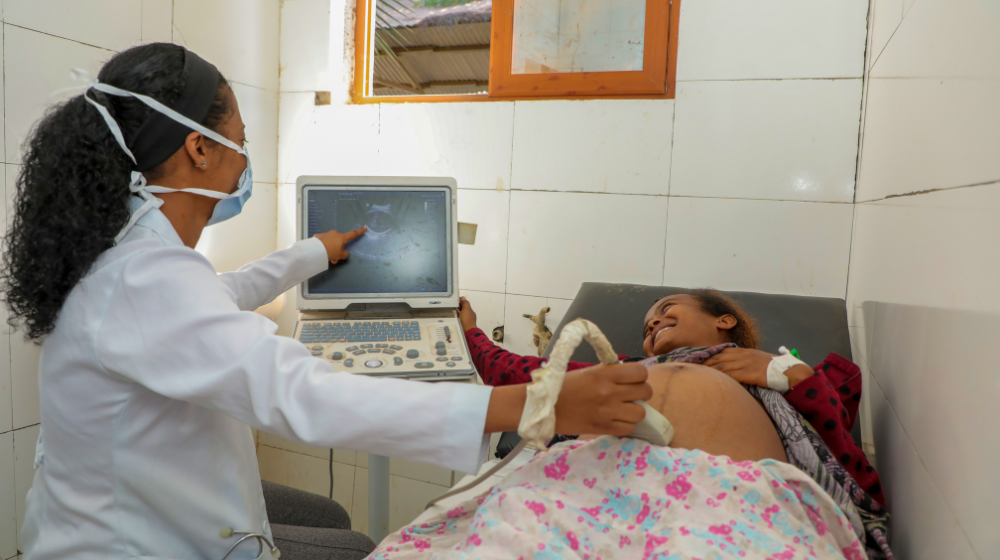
<point x="745" y="334"/>
<point x="72" y="192"/>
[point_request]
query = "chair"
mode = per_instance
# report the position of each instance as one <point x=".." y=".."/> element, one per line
<point x="307" y="526"/>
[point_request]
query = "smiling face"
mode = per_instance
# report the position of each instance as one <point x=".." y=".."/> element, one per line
<point x="678" y="321"/>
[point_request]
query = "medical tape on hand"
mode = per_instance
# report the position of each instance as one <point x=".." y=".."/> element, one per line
<point x="776" y="378"/>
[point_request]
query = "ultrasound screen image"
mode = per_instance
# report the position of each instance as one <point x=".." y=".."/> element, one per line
<point x="405" y="249"/>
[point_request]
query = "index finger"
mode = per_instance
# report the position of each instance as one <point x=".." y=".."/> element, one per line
<point x="354" y="234"/>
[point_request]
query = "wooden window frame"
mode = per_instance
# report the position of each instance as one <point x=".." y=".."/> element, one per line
<point x="660" y="15"/>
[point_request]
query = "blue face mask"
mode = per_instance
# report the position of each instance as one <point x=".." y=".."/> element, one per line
<point x="229" y="205"/>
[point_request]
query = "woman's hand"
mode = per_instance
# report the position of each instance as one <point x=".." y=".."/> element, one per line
<point x="601" y="400"/>
<point x="335" y="241"/>
<point x="466" y="315"/>
<point x="750" y="366"/>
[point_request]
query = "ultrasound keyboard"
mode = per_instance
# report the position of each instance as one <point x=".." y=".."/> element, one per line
<point x="428" y="347"/>
<point x="360" y="331"/>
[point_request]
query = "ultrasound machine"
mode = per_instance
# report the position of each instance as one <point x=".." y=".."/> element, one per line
<point x="391" y="308"/>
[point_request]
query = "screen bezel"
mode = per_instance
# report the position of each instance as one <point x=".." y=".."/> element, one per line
<point x="446" y="298"/>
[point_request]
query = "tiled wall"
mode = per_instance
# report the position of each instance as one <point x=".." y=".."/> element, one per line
<point x="745" y="181"/>
<point x="42" y="41"/>
<point x="923" y="295"/>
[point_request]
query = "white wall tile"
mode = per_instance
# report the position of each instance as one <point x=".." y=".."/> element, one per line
<point x="930" y="134"/>
<point x="419" y="471"/>
<point x="483" y="266"/>
<point x="923" y="134"/>
<point x="612" y="146"/>
<point x="287" y="210"/>
<point x="887" y="16"/>
<point x="157" y="21"/>
<point x="407" y="499"/>
<point x="305" y="45"/>
<point x="3" y="150"/>
<point x="560" y="240"/>
<point x="8" y="514"/>
<point x="278" y="442"/>
<point x="109" y="24"/>
<point x="923" y="528"/>
<point x="6" y="380"/>
<point x="248" y="237"/>
<point x="345" y="456"/>
<point x="6" y="388"/>
<point x="25" y="441"/>
<point x="518" y="329"/>
<point x="307" y="473"/>
<point x="934" y="249"/>
<point x="758" y="246"/>
<point x="965" y="42"/>
<point x="287" y="207"/>
<point x="339" y="140"/>
<point x="784" y="140"/>
<point x="468" y="141"/>
<point x="259" y="109"/>
<point x="359" y="503"/>
<point x="342" y="19"/>
<point x="35" y="66"/>
<point x="489" y="308"/>
<point x="24" y="358"/>
<point x="240" y="37"/>
<point x="769" y="39"/>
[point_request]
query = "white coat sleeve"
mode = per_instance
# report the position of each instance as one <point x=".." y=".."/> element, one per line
<point x="174" y="328"/>
<point x="258" y="283"/>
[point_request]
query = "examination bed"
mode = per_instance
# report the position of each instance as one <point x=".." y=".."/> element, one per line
<point x="815" y="326"/>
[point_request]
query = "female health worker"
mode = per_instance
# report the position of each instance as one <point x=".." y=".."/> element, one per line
<point x="155" y="368"/>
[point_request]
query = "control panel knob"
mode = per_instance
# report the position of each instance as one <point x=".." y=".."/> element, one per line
<point x="412" y="354"/>
<point x="373" y="364"/>
<point x="337" y="356"/>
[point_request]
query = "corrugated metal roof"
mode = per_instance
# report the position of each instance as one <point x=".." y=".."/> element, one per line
<point x="413" y="15"/>
<point x="436" y="58"/>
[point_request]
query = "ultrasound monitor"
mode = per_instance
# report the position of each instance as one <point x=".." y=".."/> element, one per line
<point x="408" y="253"/>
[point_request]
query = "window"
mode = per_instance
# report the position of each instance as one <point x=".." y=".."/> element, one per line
<point x="465" y="50"/>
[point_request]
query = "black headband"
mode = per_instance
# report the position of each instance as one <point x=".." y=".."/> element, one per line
<point x="160" y="136"/>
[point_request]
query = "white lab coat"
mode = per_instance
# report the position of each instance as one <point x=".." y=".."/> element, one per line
<point x="150" y="382"/>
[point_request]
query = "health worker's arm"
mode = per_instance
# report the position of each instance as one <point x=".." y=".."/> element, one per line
<point x="259" y="282"/>
<point x="174" y="327"/>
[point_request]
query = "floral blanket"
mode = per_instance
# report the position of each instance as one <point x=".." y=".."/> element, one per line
<point x="624" y="498"/>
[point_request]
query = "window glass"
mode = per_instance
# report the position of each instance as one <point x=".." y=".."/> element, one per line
<point x="431" y="47"/>
<point x="578" y="36"/>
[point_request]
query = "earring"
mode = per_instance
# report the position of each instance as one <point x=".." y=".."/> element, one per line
<point x="203" y="164"/>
